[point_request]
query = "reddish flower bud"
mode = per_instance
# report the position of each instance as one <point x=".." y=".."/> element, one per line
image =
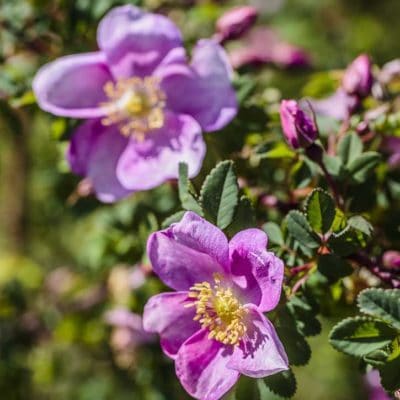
<point x="235" y="22"/>
<point x="391" y="259"/>
<point x="300" y="129"/>
<point x="357" y="79"/>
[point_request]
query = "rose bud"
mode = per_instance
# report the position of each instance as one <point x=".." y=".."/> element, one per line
<point x="391" y="259"/>
<point x="357" y="79"/>
<point x="299" y="128"/>
<point x="235" y="22"/>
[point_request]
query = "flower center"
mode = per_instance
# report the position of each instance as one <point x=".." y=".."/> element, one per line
<point x="136" y="105"/>
<point x="219" y="311"/>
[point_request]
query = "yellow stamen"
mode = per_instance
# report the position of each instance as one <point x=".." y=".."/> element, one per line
<point x="219" y="311"/>
<point x="136" y="105"/>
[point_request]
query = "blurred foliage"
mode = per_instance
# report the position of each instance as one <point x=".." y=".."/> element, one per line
<point x="64" y="257"/>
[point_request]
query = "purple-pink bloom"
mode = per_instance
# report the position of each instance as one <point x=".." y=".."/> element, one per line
<point x="357" y="79"/>
<point x="356" y="84"/>
<point x="263" y="46"/>
<point x="299" y="129"/>
<point x="391" y="259"/>
<point x="129" y="332"/>
<point x="339" y="105"/>
<point x="145" y="106"/>
<point x="235" y="22"/>
<point x="373" y="384"/>
<point x="391" y="145"/>
<point x="213" y="325"/>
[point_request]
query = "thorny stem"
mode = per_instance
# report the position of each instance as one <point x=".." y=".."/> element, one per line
<point x="332" y="185"/>
<point x="300" y="268"/>
<point x="392" y="278"/>
<point x="315" y="153"/>
<point x="299" y="283"/>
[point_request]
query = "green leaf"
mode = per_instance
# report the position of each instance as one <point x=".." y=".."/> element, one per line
<point x="390" y="375"/>
<point x="381" y="303"/>
<point x="244" y="86"/>
<point x="339" y="222"/>
<point x="333" y="267"/>
<point x="273" y="232"/>
<point x="349" y="148"/>
<point x="265" y="393"/>
<point x="172" y="219"/>
<point x="320" y="210"/>
<point x="244" y="217"/>
<point x="334" y="165"/>
<point x="283" y="383"/>
<point x="361" y="224"/>
<point x="299" y="228"/>
<point x="219" y="194"/>
<point x="360" y="336"/>
<point x="361" y="166"/>
<point x="246" y="388"/>
<point x="376" y="358"/>
<point x="301" y="174"/>
<point x="304" y="315"/>
<point x="345" y="242"/>
<point x="280" y="150"/>
<point x="296" y="346"/>
<point x="186" y="191"/>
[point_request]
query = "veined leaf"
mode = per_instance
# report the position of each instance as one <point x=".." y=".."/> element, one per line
<point x="186" y="191"/>
<point x="381" y="303"/>
<point x="360" y="336"/>
<point x="320" y="210"/>
<point x="299" y="228"/>
<point x="219" y="194"/>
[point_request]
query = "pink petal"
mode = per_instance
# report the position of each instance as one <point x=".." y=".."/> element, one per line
<point x="257" y="272"/>
<point x="135" y="41"/>
<point x="261" y="353"/>
<point x="203" y="90"/>
<point x="94" y="152"/>
<point x="167" y="315"/>
<point x="72" y="86"/>
<point x="146" y="164"/>
<point x="201" y="366"/>
<point x="188" y="252"/>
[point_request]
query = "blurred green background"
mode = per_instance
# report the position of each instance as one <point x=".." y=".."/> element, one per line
<point x="62" y="257"/>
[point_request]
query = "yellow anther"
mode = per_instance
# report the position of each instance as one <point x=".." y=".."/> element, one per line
<point x="136" y="105"/>
<point x="219" y="311"/>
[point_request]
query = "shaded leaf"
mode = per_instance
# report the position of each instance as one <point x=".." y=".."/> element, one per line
<point x="273" y="232"/>
<point x="333" y="267"/>
<point x="244" y="217"/>
<point x="296" y="346"/>
<point x="349" y="148"/>
<point x="186" y="191"/>
<point x="172" y="219"/>
<point x="390" y="375"/>
<point x="283" y="383"/>
<point x="361" y="166"/>
<point x="246" y="389"/>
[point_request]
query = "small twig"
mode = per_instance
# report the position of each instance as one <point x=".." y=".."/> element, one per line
<point x="392" y="278"/>
<point x="332" y="185"/>
<point x="300" y="268"/>
<point x="299" y="283"/>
